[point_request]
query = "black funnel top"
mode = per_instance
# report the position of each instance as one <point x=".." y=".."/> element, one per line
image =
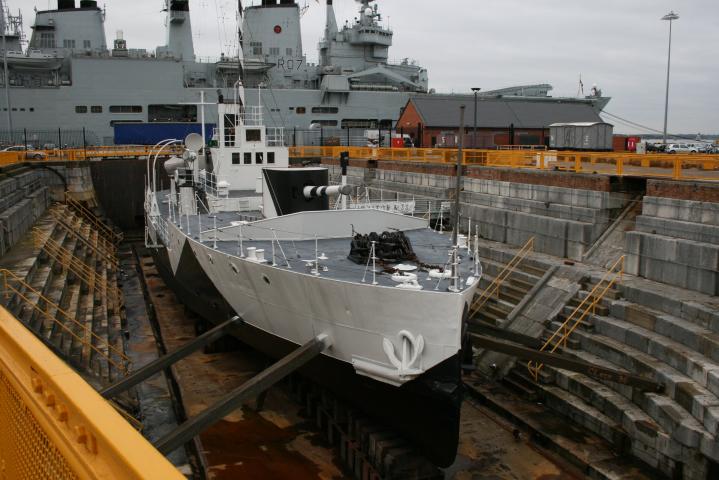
<point x="65" y="4"/>
<point x="88" y="4"/>
<point x="180" y="5"/>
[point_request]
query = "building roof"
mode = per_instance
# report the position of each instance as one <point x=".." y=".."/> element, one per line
<point x="501" y="112"/>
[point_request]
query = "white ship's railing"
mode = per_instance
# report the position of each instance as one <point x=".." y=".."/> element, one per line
<point x="275" y="137"/>
<point x="252" y="116"/>
<point x="208" y="182"/>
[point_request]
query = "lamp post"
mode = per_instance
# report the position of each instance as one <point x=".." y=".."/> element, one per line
<point x="671" y="16"/>
<point x="474" y="135"/>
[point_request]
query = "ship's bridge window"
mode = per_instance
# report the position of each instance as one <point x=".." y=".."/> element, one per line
<point x="86" y="44"/>
<point x="172" y="113"/>
<point x="125" y="109"/>
<point x="247" y="158"/>
<point x="253" y="135"/>
<point x="47" y="40"/>
<point x="256" y="48"/>
<point x="96" y="109"/>
<point x="275" y="51"/>
<point x="68" y="43"/>
<point x="259" y="158"/>
<point x="300" y="110"/>
<point x="81" y="109"/>
<point x="288" y="52"/>
<point x="325" y="110"/>
<point x="270" y="157"/>
<point x="235" y="158"/>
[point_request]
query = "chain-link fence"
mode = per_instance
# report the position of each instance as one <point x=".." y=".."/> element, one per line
<point x="48" y="139"/>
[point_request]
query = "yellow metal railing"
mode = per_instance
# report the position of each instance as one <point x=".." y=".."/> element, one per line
<point x="70" y="215"/>
<point x="676" y="166"/>
<point x="87" y="274"/>
<point x="81" y="154"/>
<point x="100" y="250"/>
<point x="14" y="285"/>
<point x="494" y="287"/>
<point x="104" y="229"/>
<point x="589" y="304"/>
<point x="53" y="425"/>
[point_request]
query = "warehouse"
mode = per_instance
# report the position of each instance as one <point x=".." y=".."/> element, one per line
<point x="433" y="120"/>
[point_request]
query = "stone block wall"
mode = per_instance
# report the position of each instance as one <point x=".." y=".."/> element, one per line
<point x="564" y="221"/>
<point x="676" y="242"/>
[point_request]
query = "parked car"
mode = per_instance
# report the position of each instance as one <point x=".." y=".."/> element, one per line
<point x="31" y="153"/>
<point x="682" y="148"/>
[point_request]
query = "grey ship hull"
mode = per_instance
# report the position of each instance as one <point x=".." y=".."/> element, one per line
<point x="425" y="411"/>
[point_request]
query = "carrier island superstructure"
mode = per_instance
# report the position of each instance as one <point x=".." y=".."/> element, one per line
<point x="68" y="75"/>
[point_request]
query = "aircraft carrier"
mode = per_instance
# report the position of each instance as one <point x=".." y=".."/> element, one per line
<point x="70" y="75"/>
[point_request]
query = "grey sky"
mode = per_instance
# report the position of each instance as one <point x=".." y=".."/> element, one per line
<point x="621" y="45"/>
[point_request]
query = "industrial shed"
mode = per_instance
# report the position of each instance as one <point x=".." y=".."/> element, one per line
<point x="433" y="120"/>
<point x="592" y="136"/>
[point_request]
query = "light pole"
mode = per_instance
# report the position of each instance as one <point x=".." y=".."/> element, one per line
<point x="474" y="135"/>
<point x="671" y="16"/>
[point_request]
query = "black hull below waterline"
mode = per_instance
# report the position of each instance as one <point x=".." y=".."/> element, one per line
<point x="425" y="411"/>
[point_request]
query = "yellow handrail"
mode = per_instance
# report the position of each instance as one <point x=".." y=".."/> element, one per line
<point x="88" y="215"/>
<point x="108" y="257"/>
<point x="55" y="425"/>
<point x="86" y="273"/>
<point x="502" y="277"/>
<point x="676" y="166"/>
<point x="102" y="240"/>
<point x="578" y="315"/>
<point x="90" y="338"/>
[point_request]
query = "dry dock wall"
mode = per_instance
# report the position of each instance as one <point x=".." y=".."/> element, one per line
<point x="26" y="191"/>
<point x="676" y="238"/>
<point x="565" y="213"/>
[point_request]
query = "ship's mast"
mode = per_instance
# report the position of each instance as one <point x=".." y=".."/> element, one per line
<point x="6" y="73"/>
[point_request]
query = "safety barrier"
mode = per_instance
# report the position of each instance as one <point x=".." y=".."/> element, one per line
<point x="89" y="216"/>
<point x="84" y="272"/>
<point x="54" y="425"/>
<point x="13" y="285"/>
<point x="494" y="287"/>
<point x="579" y="314"/>
<point x="81" y="154"/>
<point x="101" y="250"/>
<point x="675" y="166"/>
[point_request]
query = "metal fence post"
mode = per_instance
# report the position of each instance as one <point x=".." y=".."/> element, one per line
<point x="59" y="138"/>
<point x="84" y="142"/>
<point x="25" y="135"/>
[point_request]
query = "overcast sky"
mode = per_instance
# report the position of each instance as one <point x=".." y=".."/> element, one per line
<point x="621" y="45"/>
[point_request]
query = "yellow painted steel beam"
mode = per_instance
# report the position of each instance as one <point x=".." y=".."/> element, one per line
<point x="54" y="425"/>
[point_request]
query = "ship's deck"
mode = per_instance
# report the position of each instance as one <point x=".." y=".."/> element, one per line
<point x="432" y="249"/>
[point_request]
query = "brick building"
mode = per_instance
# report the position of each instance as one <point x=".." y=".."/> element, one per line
<point x="433" y="120"/>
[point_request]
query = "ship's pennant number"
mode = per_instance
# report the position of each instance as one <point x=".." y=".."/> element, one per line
<point x="288" y="64"/>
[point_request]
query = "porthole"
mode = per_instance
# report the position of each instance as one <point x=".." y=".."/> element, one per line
<point x="266" y="279"/>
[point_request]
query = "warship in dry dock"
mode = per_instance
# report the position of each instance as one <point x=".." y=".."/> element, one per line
<point x="238" y="232"/>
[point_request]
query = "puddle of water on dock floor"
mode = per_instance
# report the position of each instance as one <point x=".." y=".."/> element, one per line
<point x="489" y="451"/>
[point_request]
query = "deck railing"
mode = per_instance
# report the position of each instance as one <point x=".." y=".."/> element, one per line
<point x="588" y="305"/>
